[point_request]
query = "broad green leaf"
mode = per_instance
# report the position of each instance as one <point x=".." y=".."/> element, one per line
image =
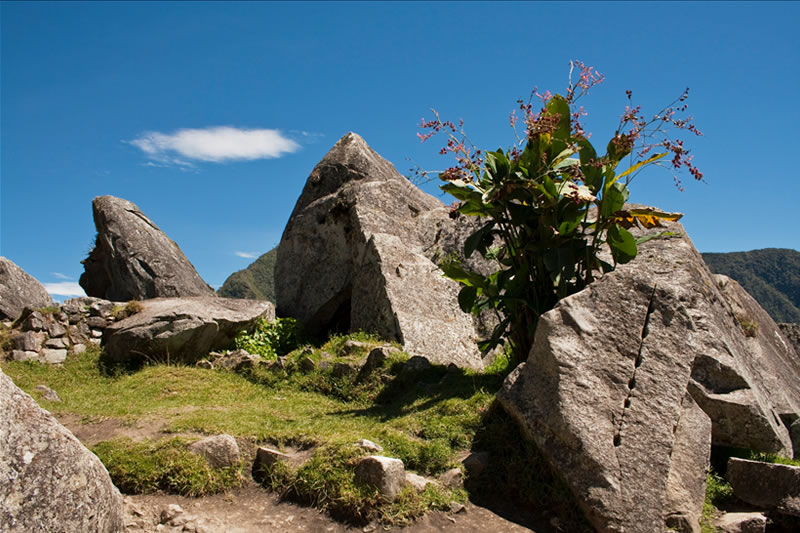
<point x="622" y="244"/>
<point x="466" y="298"/>
<point x="478" y="239"/>
<point x="614" y="199"/>
<point x="592" y="175"/>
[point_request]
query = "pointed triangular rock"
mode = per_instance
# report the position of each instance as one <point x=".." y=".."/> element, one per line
<point x="359" y="251"/>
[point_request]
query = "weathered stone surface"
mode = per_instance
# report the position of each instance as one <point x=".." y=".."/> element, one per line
<point x="19" y="290"/>
<point x="475" y="463"/>
<point x="48" y="394"/>
<point x="604" y="387"/>
<point x="358" y="253"/>
<point x="741" y="523"/>
<point x="266" y="457"/>
<point x="235" y="360"/>
<point x="221" y="451"/>
<point x="453" y="478"/>
<point x="387" y="474"/>
<point x="30" y="341"/>
<point x="182" y="329"/>
<point x="53" y="356"/>
<point x="368" y="445"/>
<point x="766" y="485"/>
<point x="792" y="333"/>
<point x="686" y="483"/>
<point x="48" y="480"/>
<point x="417" y="482"/>
<point x="133" y="259"/>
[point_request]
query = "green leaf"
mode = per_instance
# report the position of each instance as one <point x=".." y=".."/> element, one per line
<point x="454" y="271"/>
<point x="614" y="199"/>
<point x="478" y="239"/>
<point x="466" y="298"/>
<point x="660" y="235"/>
<point x="592" y="175"/>
<point x="636" y="167"/>
<point x="622" y="244"/>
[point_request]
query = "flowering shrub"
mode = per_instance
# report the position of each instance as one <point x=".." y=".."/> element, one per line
<point x="551" y="204"/>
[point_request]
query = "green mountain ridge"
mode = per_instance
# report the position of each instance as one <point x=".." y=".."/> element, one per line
<point x="770" y="275"/>
<point x="255" y="282"/>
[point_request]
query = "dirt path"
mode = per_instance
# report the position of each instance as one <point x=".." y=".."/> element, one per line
<point x="252" y="509"/>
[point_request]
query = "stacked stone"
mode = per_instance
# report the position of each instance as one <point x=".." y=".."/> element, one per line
<point x="49" y="335"/>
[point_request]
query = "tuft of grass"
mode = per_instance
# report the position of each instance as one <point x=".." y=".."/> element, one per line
<point x="49" y="310"/>
<point x="167" y="466"/>
<point x="749" y="327"/>
<point x="770" y="458"/>
<point x="718" y="494"/>
<point x="121" y="312"/>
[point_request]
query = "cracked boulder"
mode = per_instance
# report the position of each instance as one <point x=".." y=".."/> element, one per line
<point x="133" y="259"/>
<point x="48" y="480"/>
<point x="182" y="329"/>
<point x="604" y="390"/>
<point x="19" y="290"/>
<point x="359" y="253"/>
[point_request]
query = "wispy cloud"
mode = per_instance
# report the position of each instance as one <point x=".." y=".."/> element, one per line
<point x="59" y="275"/>
<point x="218" y="144"/>
<point x="64" y="288"/>
<point x="247" y="255"/>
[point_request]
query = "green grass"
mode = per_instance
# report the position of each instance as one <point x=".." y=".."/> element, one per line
<point x="166" y="465"/>
<point x="718" y="494"/>
<point x="425" y="419"/>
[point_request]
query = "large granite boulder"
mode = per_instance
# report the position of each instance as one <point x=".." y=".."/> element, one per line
<point x="182" y="329"/>
<point x="359" y="253"/>
<point x="765" y="485"/>
<point x="48" y="480"/>
<point x="19" y="290"/>
<point x="604" y="390"/>
<point x="133" y="259"/>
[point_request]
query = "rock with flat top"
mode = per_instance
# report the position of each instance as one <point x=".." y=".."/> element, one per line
<point x="133" y="259"/>
<point x="182" y="329"/>
<point x="19" y="290"/>
<point x="387" y="474"/>
<point x="765" y="485"/>
<point x="741" y="523"/>
<point x="221" y="451"/>
<point x="48" y="480"/>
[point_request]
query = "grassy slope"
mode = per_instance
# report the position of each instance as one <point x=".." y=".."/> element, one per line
<point x="254" y="282"/>
<point x="771" y="276"/>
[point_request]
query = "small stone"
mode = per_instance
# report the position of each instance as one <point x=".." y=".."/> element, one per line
<point x="416" y="364"/>
<point x="54" y="356"/>
<point x="387" y="474"/>
<point x="54" y="329"/>
<point x="78" y="348"/>
<point x="48" y="394"/>
<point x="55" y="343"/>
<point x="456" y="507"/>
<point x="368" y="445"/>
<point x="266" y="457"/>
<point x="220" y="451"/>
<point x="341" y="370"/>
<point x="74" y="318"/>
<point x="204" y="363"/>
<point x="418" y="482"/>
<point x="351" y="346"/>
<point x="375" y="360"/>
<point x="307" y="364"/>
<point x="95" y="341"/>
<point x="169" y="513"/>
<point x="24" y="355"/>
<point x="476" y="462"/>
<point x="741" y="523"/>
<point x="34" y="322"/>
<point x="452" y="479"/>
<point x="28" y="341"/>
<point x="97" y="322"/>
<point x="96" y="334"/>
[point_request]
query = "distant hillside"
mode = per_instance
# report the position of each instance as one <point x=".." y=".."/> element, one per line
<point x="255" y="282"/>
<point x="771" y="276"/>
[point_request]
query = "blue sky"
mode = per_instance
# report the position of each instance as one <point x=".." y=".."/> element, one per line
<point x="210" y="116"/>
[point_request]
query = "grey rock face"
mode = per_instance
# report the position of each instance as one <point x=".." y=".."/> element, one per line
<point x="19" y="290"/>
<point x="359" y="252"/>
<point x="182" y="329"/>
<point x="603" y="392"/>
<point x="765" y="485"/>
<point x="133" y="259"/>
<point x="792" y="333"/>
<point x="48" y="480"/>
<point x="741" y="523"/>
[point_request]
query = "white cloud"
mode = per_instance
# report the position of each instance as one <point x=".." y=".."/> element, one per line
<point x="247" y="255"/>
<point x="64" y="288"/>
<point x="216" y="144"/>
<point x="59" y="275"/>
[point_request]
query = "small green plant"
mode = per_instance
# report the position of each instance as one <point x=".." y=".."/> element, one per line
<point x="120" y="312"/>
<point x="49" y="310"/>
<point x="146" y="467"/>
<point x="271" y="339"/>
<point x="718" y="494"/>
<point x="552" y="204"/>
<point x="749" y="327"/>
